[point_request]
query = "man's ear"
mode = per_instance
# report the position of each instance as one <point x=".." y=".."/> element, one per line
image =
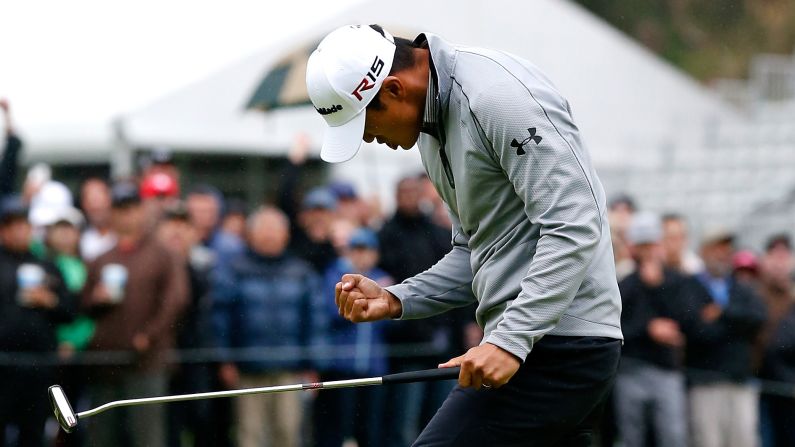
<point x="392" y="89"/>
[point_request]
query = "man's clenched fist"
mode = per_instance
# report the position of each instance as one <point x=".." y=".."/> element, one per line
<point x="360" y="299"/>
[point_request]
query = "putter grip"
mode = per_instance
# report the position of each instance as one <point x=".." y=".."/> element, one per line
<point x="424" y="375"/>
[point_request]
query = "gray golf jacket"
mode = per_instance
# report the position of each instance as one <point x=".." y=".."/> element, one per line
<point x="531" y="241"/>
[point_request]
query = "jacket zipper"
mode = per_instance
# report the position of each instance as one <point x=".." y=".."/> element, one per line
<point x="448" y="171"/>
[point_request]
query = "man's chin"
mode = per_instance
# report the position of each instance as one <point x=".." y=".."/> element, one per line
<point x="400" y="146"/>
<point x="408" y="147"/>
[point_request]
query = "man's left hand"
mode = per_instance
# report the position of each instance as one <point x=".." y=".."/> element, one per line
<point x="485" y="365"/>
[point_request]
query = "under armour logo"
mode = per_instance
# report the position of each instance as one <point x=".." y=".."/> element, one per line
<point x="520" y="146"/>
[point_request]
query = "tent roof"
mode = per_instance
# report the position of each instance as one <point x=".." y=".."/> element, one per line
<point x="64" y="143"/>
<point x="624" y="98"/>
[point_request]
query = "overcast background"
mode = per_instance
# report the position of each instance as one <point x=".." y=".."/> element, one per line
<point x="89" y="60"/>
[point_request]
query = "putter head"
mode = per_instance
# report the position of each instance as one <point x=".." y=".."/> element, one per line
<point x="63" y="410"/>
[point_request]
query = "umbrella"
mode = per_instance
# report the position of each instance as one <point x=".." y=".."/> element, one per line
<point x="285" y="84"/>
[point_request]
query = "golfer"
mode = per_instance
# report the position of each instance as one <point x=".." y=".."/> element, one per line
<point x="531" y="242"/>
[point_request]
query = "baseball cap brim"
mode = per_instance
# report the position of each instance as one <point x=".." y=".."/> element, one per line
<point x="341" y="143"/>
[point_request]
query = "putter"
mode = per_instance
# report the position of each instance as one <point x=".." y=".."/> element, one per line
<point x="68" y="419"/>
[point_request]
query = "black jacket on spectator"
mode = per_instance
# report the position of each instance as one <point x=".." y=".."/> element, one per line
<point x="26" y="333"/>
<point x="194" y="326"/>
<point x="722" y="350"/>
<point x="641" y="304"/>
<point x="24" y="329"/>
<point x="779" y="361"/>
<point x="411" y="245"/>
<point x="320" y="255"/>
<point x="9" y="165"/>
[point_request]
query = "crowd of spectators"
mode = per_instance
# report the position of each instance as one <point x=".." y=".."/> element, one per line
<point x="709" y="354"/>
<point x="141" y="287"/>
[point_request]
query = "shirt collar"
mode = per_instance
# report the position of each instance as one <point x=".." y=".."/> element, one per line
<point x="430" y="119"/>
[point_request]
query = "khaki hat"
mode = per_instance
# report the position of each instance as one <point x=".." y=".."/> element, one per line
<point x="716" y="234"/>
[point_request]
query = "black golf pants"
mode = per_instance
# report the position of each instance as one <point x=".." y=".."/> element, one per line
<point x="555" y="399"/>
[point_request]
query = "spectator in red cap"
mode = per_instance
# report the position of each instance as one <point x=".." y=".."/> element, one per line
<point x="746" y="268"/>
<point x="160" y="160"/>
<point x="158" y="192"/>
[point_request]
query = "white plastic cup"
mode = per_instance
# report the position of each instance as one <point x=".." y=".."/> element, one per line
<point x="114" y="278"/>
<point x="29" y="276"/>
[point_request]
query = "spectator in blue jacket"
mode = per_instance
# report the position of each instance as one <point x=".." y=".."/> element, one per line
<point x="359" y="350"/>
<point x="262" y="299"/>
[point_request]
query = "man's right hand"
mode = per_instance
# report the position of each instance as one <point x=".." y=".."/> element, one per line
<point x="361" y="299"/>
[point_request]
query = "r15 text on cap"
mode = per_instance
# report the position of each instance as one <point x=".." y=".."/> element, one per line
<point x="375" y="70"/>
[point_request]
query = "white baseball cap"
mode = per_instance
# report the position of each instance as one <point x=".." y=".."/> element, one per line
<point x="645" y="228"/>
<point x="47" y="203"/>
<point x="343" y="75"/>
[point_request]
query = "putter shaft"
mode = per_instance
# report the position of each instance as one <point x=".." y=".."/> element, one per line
<point x="68" y="420"/>
<point x="233" y="393"/>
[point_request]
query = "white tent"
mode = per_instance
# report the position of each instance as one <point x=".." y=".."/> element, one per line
<point x="79" y="142"/>
<point x="632" y="107"/>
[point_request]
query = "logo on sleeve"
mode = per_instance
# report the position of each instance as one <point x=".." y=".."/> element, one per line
<point x="368" y="81"/>
<point x="520" y="145"/>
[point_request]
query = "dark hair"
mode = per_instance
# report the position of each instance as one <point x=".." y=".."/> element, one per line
<point x="778" y="240"/>
<point x="668" y="217"/>
<point x="176" y="213"/>
<point x="404" y="58"/>
<point x="204" y="189"/>
<point x="622" y="199"/>
<point x="236" y="206"/>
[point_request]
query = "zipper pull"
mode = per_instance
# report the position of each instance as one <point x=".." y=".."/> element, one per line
<point x="448" y="171"/>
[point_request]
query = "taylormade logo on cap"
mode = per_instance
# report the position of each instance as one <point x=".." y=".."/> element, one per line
<point x="343" y="75"/>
